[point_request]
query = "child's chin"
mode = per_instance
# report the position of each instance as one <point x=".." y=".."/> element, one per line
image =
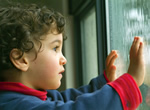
<point x="59" y="85"/>
<point x="56" y="87"/>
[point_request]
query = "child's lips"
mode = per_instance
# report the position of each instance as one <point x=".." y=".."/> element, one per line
<point x="61" y="72"/>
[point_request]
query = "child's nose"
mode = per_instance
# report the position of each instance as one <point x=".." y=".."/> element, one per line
<point x="63" y="60"/>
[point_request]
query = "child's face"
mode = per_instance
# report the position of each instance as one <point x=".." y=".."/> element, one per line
<point x="46" y="71"/>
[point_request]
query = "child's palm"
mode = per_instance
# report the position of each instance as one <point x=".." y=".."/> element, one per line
<point x="137" y="67"/>
<point x="110" y="67"/>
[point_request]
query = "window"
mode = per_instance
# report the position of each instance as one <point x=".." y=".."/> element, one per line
<point x="90" y="42"/>
<point x="111" y="25"/>
<point x="89" y="46"/>
<point x="126" y="19"/>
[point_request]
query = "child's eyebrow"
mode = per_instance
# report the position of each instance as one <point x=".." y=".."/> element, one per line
<point x="59" y="41"/>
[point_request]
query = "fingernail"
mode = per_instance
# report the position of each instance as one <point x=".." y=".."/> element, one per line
<point x="112" y="51"/>
<point x="141" y="43"/>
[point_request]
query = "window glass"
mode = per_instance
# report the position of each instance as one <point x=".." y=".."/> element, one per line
<point x="89" y="46"/>
<point x="126" y="19"/>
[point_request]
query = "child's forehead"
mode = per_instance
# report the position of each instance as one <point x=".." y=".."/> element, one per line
<point x="52" y="36"/>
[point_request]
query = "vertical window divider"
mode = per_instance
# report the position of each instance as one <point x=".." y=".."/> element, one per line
<point x="101" y="34"/>
<point x="107" y="26"/>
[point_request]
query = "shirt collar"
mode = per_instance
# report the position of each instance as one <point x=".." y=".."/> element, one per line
<point x="19" y="87"/>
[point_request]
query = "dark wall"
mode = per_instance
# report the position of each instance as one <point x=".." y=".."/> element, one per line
<point x="55" y="4"/>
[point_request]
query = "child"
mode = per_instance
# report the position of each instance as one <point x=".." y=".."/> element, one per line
<point x="31" y="67"/>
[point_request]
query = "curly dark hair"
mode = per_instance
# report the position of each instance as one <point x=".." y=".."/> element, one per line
<point x="21" y="25"/>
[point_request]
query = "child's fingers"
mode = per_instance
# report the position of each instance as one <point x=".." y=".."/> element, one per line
<point x="137" y="68"/>
<point x="113" y="69"/>
<point x="112" y="73"/>
<point x="135" y="47"/>
<point x="133" y="43"/>
<point x="140" y="52"/>
<point x="112" y="60"/>
<point x="137" y="44"/>
<point x="109" y="57"/>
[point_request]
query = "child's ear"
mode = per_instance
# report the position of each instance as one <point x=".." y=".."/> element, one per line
<point x="20" y="63"/>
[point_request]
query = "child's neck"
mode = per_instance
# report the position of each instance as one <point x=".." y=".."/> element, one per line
<point x="12" y="75"/>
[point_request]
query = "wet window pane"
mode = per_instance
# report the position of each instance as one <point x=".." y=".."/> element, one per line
<point x="126" y="19"/>
<point x="89" y="46"/>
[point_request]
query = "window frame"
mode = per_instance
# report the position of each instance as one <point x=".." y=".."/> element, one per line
<point x="101" y="35"/>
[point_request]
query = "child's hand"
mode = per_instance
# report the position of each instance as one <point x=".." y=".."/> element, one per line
<point x="137" y="66"/>
<point x="110" y="67"/>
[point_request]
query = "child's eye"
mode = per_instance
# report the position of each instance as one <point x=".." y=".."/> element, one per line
<point x="55" y="49"/>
